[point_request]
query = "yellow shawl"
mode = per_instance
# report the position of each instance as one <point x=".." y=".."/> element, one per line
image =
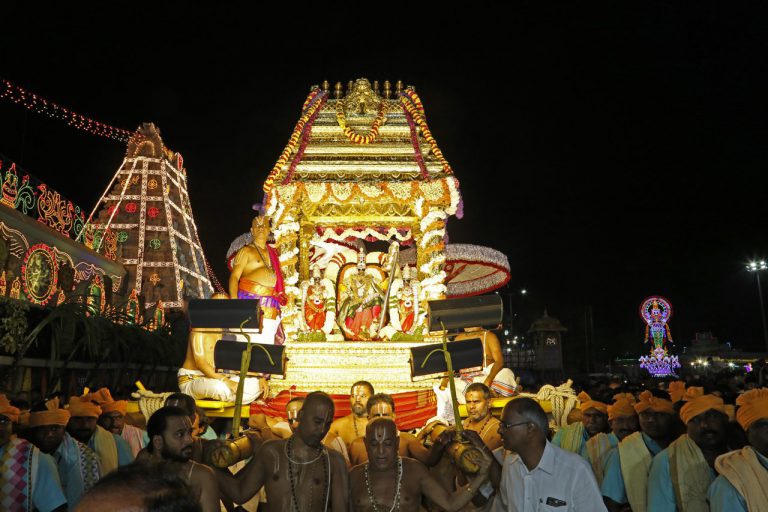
<point x="691" y="475"/>
<point x="573" y="437"/>
<point x="105" y="447"/>
<point x="746" y="475"/>
<point x="635" y="458"/>
<point x="597" y="448"/>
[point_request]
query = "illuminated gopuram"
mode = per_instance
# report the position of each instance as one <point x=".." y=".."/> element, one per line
<point x="146" y="210"/>
<point x="361" y="167"/>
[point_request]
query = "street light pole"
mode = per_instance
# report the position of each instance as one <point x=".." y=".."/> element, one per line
<point x="757" y="267"/>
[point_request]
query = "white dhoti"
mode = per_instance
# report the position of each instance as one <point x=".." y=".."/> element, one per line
<point x="195" y="384"/>
<point x="504" y="384"/>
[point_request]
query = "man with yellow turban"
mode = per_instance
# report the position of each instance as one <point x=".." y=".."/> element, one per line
<point x="112" y="450"/>
<point x="594" y="420"/>
<point x="77" y="464"/>
<point x="743" y="481"/>
<point x="28" y="477"/>
<point x="681" y="474"/>
<point x="623" y="421"/>
<point x="625" y="475"/>
<point x="113" y="419"/>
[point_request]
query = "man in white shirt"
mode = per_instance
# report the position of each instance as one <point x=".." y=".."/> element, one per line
<point x="535" y="475"/>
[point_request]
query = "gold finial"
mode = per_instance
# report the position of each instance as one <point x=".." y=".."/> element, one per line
<point x="399" y="86"/>
<point x="376" y="86"/>
<point x="387" y="89"/>
<point x="326" y="85"/>
<point x="350" y="86"/>
<point x="337" y="91"/>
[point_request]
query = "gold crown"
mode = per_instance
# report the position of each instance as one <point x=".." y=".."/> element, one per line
<point x="261" y="222"/>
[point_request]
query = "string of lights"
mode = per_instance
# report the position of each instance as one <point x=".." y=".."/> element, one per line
<point x="40" y="105"/>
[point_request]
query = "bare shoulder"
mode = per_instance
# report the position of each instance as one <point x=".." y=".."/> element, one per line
<point x="490" y="336"/>
<point x="413" y="468"/>
<point x="201" y="470"/>
<point x="273" y="447"/>
<point x="337" y="459"/>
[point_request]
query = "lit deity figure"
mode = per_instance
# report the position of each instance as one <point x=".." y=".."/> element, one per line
<point x="95" y="299"/>
<point x="256" y="275"/>
<point x="361" y="303"/>
<point x="656" y="312"/>
<point x="405" y="314"/>
<point x="318" y="304"/>
<point x="132" y="309"/>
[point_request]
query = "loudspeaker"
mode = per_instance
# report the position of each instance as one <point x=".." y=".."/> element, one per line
<point x="227" y="356"/>
<point x="479" y="311"/>
<point x="223" y="314"/>
<point x="464" y="354"/>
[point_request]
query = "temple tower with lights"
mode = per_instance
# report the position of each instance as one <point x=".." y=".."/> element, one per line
<point x="146" y="216"/>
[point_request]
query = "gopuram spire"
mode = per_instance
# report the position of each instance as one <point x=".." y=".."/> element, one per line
<point x="146" y="208"/>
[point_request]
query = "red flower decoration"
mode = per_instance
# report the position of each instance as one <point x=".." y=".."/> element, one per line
<point x="153" y="211"/>
<point x="131" y="207"/>
<point x="111" y="209"/>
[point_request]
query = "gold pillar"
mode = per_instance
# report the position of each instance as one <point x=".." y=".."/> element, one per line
<point x="306" y="233"/>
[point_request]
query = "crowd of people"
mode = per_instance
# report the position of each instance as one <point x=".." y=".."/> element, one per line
<point x="664" y="448"/>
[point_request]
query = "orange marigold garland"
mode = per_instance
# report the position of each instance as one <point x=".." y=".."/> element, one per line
<point x="314" y="102"/>
<point x="355" y="137"/>
<point x="412" y="104"/>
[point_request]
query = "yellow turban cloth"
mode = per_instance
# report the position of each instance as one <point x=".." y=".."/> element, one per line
<point x="588" y="403"/>
<point x="702" y="404"/>
<point x="81" y="406"/>
<point x="52" y="416"/>
<point x="104" y="398"/>
<point x="676" y="390"/>
<point x="692" y="392"/>
<point x="753" y="406"/>
<point x="6" y="409"/>
<point x="622" y="407"/>
<point x="654" y="403"/>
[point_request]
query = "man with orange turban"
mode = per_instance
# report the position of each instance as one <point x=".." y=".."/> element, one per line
<point x="112" y="450"/>
<point x="681" y="474"/>
<point x="113" y="419"/>
<point x="623" y="421"/>
<point x="77" y="464"/>
<point x="28" y="478"/>
<point x="743" y="481"/>
<point x="676" y="390"/>
<point x="625" y="475"/>
<point x="594" y="420"/>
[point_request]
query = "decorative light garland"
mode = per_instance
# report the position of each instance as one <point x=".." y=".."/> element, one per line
<point x="413" y="106"/>
<point x="357" y="138"/>
<point x="312" y="104"/>
<point x="40" y="105"/>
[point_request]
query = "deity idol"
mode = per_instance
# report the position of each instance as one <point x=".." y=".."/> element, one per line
<point x="256" y="275"/>
<point x="318" y="304"/>
<point x="361" y="304"/>
<point x="656" y="317"/>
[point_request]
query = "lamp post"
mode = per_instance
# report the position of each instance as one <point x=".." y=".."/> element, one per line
<point x="757" y="267"/>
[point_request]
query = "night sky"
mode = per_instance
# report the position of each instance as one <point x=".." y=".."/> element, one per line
<point x="611" y="155"/>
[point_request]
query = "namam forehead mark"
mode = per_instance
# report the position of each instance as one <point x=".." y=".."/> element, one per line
<point x="382" y="410"/>
<point x="381" y="431"/>
<point x="361" y="390"/>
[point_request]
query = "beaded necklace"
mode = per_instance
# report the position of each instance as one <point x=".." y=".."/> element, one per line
<point x="294" y="478"/>
<point x="396" y="498"/>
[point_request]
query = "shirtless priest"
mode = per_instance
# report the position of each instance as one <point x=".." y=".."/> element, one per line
<point x="388" y="481"/>
<point x="298" y="473"/>
<point x="256" y="275"/>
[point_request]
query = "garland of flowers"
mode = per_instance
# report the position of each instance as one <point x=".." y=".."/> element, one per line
<point x="313" y="106"/>
<point x="355" y="137"/>
<point x="416" y="146"/>
<point x="304" y="141"/>
<point x="413" y="106"/>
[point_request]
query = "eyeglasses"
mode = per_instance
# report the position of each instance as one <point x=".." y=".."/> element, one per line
<point x="503" y="425"/>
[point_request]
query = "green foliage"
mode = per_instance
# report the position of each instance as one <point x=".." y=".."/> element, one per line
<point x="311" y="336"/>
<point x="416" y="336"/>
<point x="13" y="324"/>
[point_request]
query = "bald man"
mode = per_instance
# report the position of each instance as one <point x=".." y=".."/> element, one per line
<point x="388" y="481"/>
<point x="298" y="473"/>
